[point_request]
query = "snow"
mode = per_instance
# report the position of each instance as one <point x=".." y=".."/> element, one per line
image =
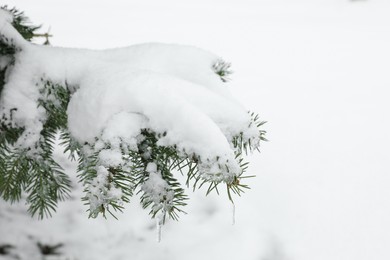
<point x="101" y="191"/>
<point x="173" y="87"/>
<point x="157" y="190"/>
<point x="123" y="126"/>
<point x="316" y="70"/>
<point x="6" y="29"/>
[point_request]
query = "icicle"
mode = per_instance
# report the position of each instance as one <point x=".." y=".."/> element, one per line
<point x="159" y="222"/>
<point x="158" y="225"/>
<point x="233" y="213"/>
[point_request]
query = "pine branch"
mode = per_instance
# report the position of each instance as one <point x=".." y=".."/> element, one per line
<point x="14" y="168"/>
<point x="21" y="23"/>
<point x="223" y="69"/>
<point x="48" y="185"/>
<point x="147" y="169"/>
<point x="7" y="47"/>
<point x="103" y="183"/>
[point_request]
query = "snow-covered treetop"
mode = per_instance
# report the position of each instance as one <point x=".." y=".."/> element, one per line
<point x="132" y="116"/>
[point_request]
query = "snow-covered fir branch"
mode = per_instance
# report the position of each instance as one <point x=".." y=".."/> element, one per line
<point x="133" y="117"/>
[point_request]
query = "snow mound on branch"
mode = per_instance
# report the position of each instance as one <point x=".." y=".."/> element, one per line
<point x="169" y="89"/>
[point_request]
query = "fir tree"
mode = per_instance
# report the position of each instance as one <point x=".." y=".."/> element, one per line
<point x="147" y="167"/>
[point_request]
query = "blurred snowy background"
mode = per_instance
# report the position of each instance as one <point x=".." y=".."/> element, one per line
<point x="317" y="70"/>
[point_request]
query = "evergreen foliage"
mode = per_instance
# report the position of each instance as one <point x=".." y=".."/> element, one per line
<point x="7" y="49"/>
<point x="107" y="186"/>
<point x="223" y="70"/>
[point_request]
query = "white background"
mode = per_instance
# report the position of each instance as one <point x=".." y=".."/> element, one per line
<point x="316" y="70"/>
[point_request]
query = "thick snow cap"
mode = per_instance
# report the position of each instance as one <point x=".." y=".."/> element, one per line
<point x="167" y="88"/>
